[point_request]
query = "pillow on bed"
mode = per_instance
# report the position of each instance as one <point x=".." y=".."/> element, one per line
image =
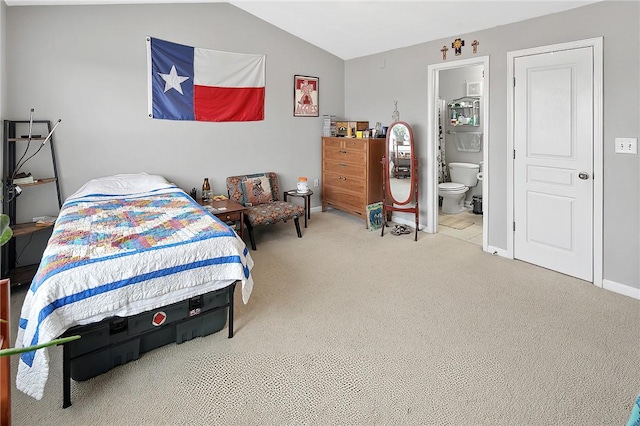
<point x="122" y="184"/>
<point x="257" y="190"/>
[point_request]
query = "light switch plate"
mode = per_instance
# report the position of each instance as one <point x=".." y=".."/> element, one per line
<point x="626" y="145"/>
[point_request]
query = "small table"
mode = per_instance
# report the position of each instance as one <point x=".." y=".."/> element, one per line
<point x="306" y="196"/>
<point x="227" y="211"/>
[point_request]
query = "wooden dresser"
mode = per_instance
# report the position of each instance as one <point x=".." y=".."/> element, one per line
<point x="351" y="174"/>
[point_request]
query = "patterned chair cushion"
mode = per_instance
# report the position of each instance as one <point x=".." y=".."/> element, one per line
<point x="268" y="213"/>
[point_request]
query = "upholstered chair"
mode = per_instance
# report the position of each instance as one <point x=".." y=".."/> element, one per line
<point x="259" y="193"/>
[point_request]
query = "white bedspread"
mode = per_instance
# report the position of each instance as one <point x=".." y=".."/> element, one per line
<point x="124" y="245"/>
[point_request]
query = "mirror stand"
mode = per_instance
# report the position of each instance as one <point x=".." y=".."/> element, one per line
<point x="399" y="166"/>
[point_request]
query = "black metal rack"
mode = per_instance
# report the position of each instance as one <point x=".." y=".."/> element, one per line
<point x="9" y="202"/>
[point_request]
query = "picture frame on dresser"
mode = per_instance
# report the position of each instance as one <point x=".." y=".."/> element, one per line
<point x="305" y="96"/>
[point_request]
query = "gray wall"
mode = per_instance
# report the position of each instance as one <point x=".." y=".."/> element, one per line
<point x="372" y="83"/>
<point x="88" y="66"/>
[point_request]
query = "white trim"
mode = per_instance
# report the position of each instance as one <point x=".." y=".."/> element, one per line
<point x="497" y="251"/>
<point x="433" y="89"/>
<point x="394" y="218"/>
<point x="149" y="81"/>
<point x="598" y="163"/>
<point x="404" y="221"/>
<point x="623" y="289"/>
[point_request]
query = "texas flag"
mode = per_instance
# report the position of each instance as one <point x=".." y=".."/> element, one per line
<point x="190" y="83"/>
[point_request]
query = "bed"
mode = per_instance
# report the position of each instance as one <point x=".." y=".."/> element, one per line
<point x="122" y="247"/>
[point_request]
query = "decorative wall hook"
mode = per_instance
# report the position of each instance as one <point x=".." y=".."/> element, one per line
<point x="444" y="52"/>
<point x="457" y="46"/>
<point x="395" y="116"/>
<point x="475" y="46"/>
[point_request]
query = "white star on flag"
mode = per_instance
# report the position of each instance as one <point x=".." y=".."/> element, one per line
<point x="173" y="80"/>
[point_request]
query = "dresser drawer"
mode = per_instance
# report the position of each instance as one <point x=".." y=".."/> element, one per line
<point x="345" y="183"/>
<point x="228" y="217"/>
<point x="344" y="169"/>
<point x="345" y="155"/>
<point x="346" y="143"/>
<point x="355" y="144"/>
<point x="338" y="196"/>
<point x="332" y="143"/>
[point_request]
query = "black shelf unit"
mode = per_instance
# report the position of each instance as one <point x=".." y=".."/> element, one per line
<point x="12" y="141"/>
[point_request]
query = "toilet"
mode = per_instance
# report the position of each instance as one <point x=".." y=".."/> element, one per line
<point x="463" y="176"/>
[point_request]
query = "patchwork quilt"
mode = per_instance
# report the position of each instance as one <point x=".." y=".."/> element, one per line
<point x="121" y="249"/>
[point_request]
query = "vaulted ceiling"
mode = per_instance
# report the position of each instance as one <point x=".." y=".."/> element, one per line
<point x="351" y="29"/>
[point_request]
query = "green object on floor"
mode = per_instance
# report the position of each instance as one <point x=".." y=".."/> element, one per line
<point x="634" y="419"/>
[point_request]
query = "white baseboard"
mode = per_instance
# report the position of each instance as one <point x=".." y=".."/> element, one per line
<point x="394" y="218"/>
<point x="623" y="289"/>
<point x="498" y="251"/>
<point x="409" y="222"/>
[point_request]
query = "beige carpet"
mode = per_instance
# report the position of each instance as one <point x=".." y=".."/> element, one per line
<point x="454" y="221"/>
<point x="345" y="327"/>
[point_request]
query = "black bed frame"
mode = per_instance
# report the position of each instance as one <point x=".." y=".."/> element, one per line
<point x="67" y="358"/>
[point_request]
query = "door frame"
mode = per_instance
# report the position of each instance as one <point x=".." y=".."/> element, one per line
<point x="433" y="90"/>
<point x="598" y="164"/>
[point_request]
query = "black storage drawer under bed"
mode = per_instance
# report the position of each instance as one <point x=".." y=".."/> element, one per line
<point x="115" y="341"/>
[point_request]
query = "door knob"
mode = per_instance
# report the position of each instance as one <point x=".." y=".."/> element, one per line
<point x="583" y="175"/>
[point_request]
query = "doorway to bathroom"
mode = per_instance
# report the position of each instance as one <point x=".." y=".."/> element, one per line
<point x="458" y="132"/>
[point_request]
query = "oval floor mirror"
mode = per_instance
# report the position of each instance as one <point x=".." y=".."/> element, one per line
<point x="399" y="175"/>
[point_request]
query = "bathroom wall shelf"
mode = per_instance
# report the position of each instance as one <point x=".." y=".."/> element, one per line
<point x="464" y="112"/>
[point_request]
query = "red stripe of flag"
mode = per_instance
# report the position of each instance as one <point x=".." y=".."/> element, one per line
<point x="228" y="103"/>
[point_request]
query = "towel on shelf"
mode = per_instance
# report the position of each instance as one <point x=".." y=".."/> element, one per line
<point x="468" y="141"/>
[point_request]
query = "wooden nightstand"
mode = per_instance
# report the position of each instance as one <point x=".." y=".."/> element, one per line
<point x="227" y="211"/>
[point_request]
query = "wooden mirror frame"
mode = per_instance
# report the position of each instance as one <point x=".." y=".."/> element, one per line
<point x="389" y="203"/>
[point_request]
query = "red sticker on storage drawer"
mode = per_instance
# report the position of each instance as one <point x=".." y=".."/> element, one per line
<point x="159" y="318"/>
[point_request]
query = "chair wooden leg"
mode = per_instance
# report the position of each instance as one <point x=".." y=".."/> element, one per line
<point x="297" y="222"/>
<point x="251" y="237"/>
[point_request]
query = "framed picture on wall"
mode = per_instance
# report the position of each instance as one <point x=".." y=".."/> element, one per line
<point x="305" y="96"/>
<point x="474" y="89"/>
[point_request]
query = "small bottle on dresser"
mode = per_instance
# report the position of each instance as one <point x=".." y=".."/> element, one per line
<point x="206" y="190"/>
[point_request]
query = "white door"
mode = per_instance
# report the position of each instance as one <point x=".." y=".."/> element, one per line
<point x="553" y="164"/>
